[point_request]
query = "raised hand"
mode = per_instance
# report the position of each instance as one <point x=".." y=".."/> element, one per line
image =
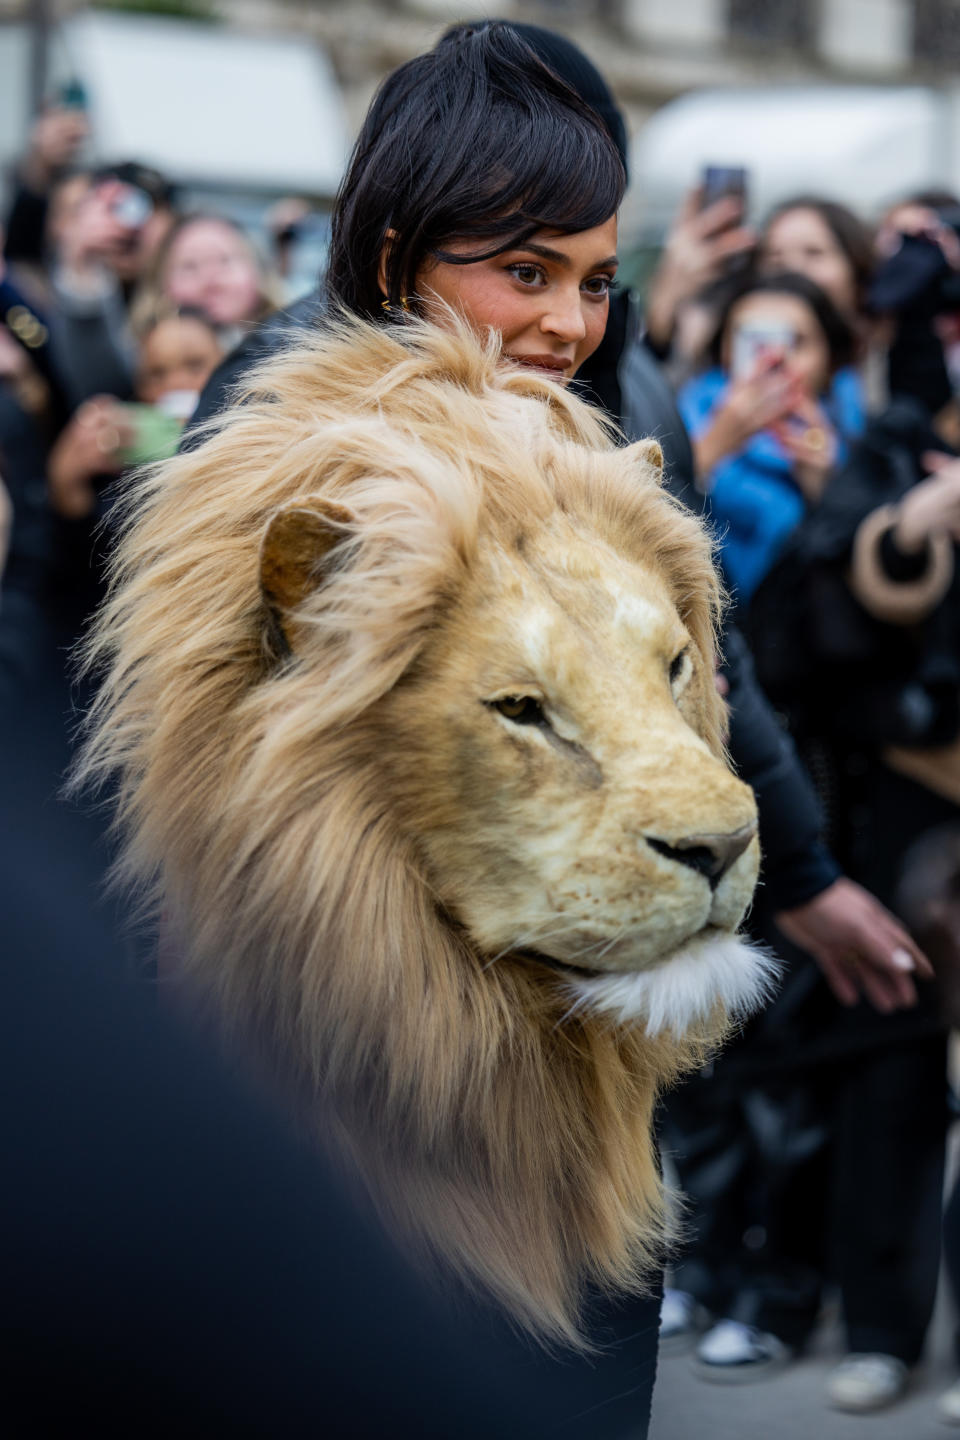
<point x="811" y="442"/>
<point x="697" y="249"/>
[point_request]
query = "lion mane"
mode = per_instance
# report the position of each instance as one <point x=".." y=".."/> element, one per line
<point x="278" y="596"/>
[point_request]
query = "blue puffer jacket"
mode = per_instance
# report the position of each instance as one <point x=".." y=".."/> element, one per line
<point x="753" y="497"/>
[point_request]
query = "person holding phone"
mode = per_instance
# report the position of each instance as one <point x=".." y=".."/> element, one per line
<point x="114" y="229"/>
<point x="709" y="238"/>
<point x="54" y="145"/>
<point x="178" y="350"/>
<point x="766" y="425"/>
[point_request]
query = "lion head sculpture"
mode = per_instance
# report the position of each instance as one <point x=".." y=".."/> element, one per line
<point x="410" y="703"/>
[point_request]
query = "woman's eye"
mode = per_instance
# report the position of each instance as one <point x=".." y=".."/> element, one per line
<point x="526" y="274"/>
<point x="521" y="709"/>
<point x="599" y="285"/>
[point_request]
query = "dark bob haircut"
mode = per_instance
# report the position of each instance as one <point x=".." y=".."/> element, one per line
<point x="838" y="333"/>
<point x="477" y="139"/>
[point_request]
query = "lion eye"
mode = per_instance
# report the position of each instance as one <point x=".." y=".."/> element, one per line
<point x="680" y="668"/>
<point x="521" y="709"/>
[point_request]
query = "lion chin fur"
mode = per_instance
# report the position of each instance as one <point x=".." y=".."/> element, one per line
<point x="499" y="1112"/>
<point x="681" y="993"/>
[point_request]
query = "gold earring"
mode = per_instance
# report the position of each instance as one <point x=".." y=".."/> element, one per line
<point x="404" y="303"/>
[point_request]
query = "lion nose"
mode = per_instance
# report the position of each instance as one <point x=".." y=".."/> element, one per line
<point x="709" y="855"/>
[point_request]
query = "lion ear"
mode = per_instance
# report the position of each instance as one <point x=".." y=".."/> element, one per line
<point x="647" y="455"/>
<point x="295" y="547"/>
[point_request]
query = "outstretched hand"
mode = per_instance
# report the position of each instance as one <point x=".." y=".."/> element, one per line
<point x="861" y="948"/>
<point x="933" y="506"/>
<point x="702" y="240"/>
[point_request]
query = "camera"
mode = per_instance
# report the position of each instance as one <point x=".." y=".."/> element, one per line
<point x="918" y="277"/>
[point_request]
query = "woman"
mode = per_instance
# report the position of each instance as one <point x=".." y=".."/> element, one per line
<point x="207" y="263"/>
<point x="766" y="423"/>
<point x="708" y="244"/>
<point x="501" y="201"/>
<point x="481" y="181"/>
<point x="809" y="235"/>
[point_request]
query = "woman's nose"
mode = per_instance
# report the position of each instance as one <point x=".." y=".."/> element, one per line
<point x="564" y="317"/>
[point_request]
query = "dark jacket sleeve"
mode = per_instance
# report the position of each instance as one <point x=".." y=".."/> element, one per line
<point x="796" y="864"/>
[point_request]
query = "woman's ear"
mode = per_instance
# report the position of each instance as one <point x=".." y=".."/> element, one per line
<point x="388" y="240"/>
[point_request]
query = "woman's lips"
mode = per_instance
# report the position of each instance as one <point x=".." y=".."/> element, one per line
<point x="551" y="364"/>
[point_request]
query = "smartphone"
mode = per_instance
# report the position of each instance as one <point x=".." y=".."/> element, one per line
<point x="719" y="181"/>
<point x="153" y="434"/>
<point x="72" y="95"/>
<point x="751" y="342"/>
<point x="132" y="207"/>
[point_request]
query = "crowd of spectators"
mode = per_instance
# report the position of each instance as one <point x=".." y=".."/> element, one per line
<point x="813" y="360"/>
<point x="116" y="304"/>
<point x="815" y="364"/>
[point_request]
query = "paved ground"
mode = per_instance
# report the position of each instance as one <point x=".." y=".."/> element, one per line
<point x="791" y="1405"/>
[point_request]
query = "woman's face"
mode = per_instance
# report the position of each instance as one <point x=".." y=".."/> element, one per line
<point x="801" y="241"/>
<point x="807" y="357"/>
<point x="549" y="297"/>
<point x="178" y="354"/>
<point x="210" y="268"/>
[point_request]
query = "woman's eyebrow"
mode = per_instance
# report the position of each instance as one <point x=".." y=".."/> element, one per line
<point x="547" y="253"/>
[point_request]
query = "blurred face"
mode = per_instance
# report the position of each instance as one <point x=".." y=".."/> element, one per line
<point x="140" y="227"/>
<point x="178" y="354"/>
<point x="66" y="198"/>
<point x="807" y="358"/>
<point x="802" y="241"/>
<point x="211" y="268"/>
<point x="549" y="298"/>
<point x="150" y="236"/>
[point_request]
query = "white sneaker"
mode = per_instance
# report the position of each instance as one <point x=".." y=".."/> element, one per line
<point x="867" y="1382"/>
<point x="682" y="1319"/>
<point x="735" y="1352"/>
<point x="948" y="1405"/>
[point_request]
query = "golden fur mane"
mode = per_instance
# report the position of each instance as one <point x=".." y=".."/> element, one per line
<point x="508" y="1138"/>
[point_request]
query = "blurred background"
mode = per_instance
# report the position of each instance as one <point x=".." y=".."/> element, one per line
<point x="245" y="102"/>
<point x="791" y="242"/>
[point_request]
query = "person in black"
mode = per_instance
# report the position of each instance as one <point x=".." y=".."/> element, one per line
<point x="175" y="1258"/>
<point x="834" y="918"/>
<point x="866" y="605"/>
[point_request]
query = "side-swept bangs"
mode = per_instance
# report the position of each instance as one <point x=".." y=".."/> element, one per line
<point x="477" y="139"/>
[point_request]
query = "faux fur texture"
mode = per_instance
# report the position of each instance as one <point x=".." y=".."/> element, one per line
<point x="319" y="624"/>
<point x="682" y="994"/>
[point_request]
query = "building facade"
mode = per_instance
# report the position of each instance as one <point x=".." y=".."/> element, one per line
<point x="652" y="50"/>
